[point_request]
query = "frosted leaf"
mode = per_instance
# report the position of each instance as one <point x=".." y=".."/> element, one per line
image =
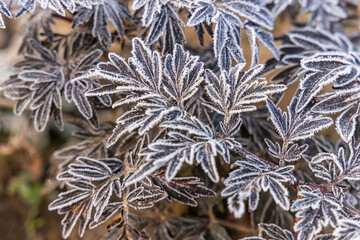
<point x="346" y="99"/>
<point x="276" y="232"/>
<point x="331" y="167"/>
<point x="169" y="26"/>
<point x="323" y="69"/>
<point x="235" y="91"/>
<point x="316" y="210"/>
<point x="299" y="125"/>
<point x="249" y="179"/>
<point x="55" y="5"/>
<point x="323" y="13"/>
<point x="227" y="35"/>
<point x="111" y="9"/>
<point x="151" y="8"/>
<point x="4" y="10"/>
<point x="295" y="152"/>
<point x="346" y="122"/>
<point x="278" y="118"/>
<point x="267" y="39"/>
<point x="141" y="78"/>
<point x="183" y="72"/>
<point x="274" y="148"/>
<point x="78" y="203"/>
<point x="227" y="39"/>
<point x="178" y="149"/>
<point x="279" y="6"/>
<point x="326" y="61"/>
<point x="203" y="13"/>
<point x="42" y="80"/>
<point x="255" y="13"/>
<point x="314" y="47"/>
<point x="183" y="189"/>
<point x="338" y="101"/>
<point x="347" y="229"/>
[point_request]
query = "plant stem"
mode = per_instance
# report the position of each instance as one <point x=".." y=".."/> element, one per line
<point x="55" y="15"/>
<point x="245" y="153"/>
<point x="283" y="152"/>
<point x="234" y="226"/>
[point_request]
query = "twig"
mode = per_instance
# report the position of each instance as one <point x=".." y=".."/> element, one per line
<point x="234" y="226"/>
<point x="55" y="15"/>
<point x="245" y="153"/>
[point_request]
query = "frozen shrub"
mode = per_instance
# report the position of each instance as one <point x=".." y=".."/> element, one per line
<point x="200" y="126"/>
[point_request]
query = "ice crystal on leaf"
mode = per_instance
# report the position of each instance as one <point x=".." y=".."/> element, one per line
<point x="249" y="179"/>
<point x="316" y="210"/>
<point x="235" y="91"/>
<point x="93" y="182"/>
<point x="348" y="229"/>
<point x="109" y="9"/>
<point x="41" y="82"/>
<point x="227" y="36"/>
<point x="141" y="78"/>
<point x="55" y="5"/>
<point x="179" y="149"/>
